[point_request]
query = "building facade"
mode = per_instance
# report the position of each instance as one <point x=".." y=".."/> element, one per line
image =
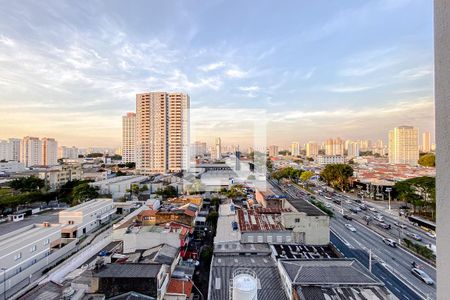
<point x="273" y="150"/>
<point x="312" y="149"/>
<point x="404" y="145"/>
<point x="49" y="151"/>
<point x="334" y="147"/>
<point x="353" y="149"/>
<point x="330" y="159"/>
<point x="295" y="149"/>
<point x="162" y="132"/>
<point x="128" y="137"/>
<point x="426" y="142"/>
<point x="68" y="152"/>
<point x="31" y="151"/>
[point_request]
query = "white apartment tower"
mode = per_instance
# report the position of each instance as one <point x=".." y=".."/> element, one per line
<point x="128" y="137"/>
<point x="31" y="151"/>
<point x="273" y="150"/>
<point x="295" y="149"/>
<point x="426" y="141"/>
<point x="312" y="149"/>
<point x="353" y="149"/>
<point x="162" y="132"/>
<point x="334" y="147"/>
<point x="404" y="145"/>
<point x="10" y="150"/>
<point x="68" y="152"/>
<point x="49" y="151"/>
<point x="218" y="149"/>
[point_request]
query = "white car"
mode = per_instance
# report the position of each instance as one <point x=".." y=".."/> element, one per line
<point x="328" y="205"/>
<point x="348" y="201"/>
<point x="431" y="234"/>
<point x="401" y="225"/>
<point x="350" y="227"/>
<point x="372" y="208"/>
<point x="379" y="218"/>
<point x="390" y="242"/>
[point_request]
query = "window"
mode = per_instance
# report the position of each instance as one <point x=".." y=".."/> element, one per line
<point x="33" y="248"/>
<point x="297" y="220"/>
<point x="250" y="239"/>
<point x="18" y="256"/>
<point x="47" y="241"/>
<point x="279" y="239"/>
<point x="269" y="239"/>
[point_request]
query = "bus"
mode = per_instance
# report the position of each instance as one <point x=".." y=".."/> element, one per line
<point x="425" y="224"/>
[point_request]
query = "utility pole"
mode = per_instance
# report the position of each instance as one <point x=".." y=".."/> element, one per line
<point x="370" y="260"/>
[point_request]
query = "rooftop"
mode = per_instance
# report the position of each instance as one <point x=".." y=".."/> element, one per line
<point x="129" y="271"/>
<point x="269" y="282"/>
<point x="237" y="247"/>
<point x="89" y="206"/>
<point x="343" y="293"/>
<point x="296" y="251"/>
<point x="304" y="206"/>
<point x="328" y="272"/>
<point x="268" y="219"/>
<point x="120" y="179"/>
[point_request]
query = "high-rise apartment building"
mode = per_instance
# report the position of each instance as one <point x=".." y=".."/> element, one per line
<point x="365" y="145"/>
<point x="49" y="151"/>
<point x="218" y="148"/>
<point x="273" y="150"/>
<point x="128" y="137"/>
<point x="334" y="147"/>
<point x="426" y="141"/>
<point x="295" y="149"/>
<point x="31" y="151"/>
<point x="10" y="149"/>
<point x="404" y="145"/>
<point x="162" y="132"/>
<point x="198" y="149"/>
<point x="68" y="152"/>
<point x="312" y="149"/>
<point x="4" y="150"/>
<point x="353" y="149"/>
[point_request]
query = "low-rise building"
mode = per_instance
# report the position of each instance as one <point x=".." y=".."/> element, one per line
<point x="117" y="187"/>
<point x="86" y="217"/>
<point x="59" y="175"/>
<point x="9" y="167"/>
<point x="334" y="279"/>
<point x="330" y="159"/>
<point x="28" y="250"/>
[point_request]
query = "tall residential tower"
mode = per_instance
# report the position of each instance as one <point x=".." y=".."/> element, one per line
<point x="128" y="138"/>
<point x="162" y="132"/>
<point x="404" y="145"/>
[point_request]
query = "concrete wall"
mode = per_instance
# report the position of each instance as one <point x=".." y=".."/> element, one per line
<point x="146" y="240"/>
<point x="267" y="237"/>
<point x="442" y="96"/>
<point x="316" y="229"/>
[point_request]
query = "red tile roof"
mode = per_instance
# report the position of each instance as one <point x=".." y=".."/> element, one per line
<point x="176" y="287"/>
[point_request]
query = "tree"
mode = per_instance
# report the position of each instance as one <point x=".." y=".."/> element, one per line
<point x="284" y="152"/>
<point x="94" y="155"/>
<point x="196" y="187"/>
<point x="120" y="173"/>
<point x="83" y="192"/>
<point x="428" y="160"/>
<point x="236" y="191"/>
<point x="305" y="176"/>
<point x="27" y="184"/>
<point x="288" y="173"/>
<point x="167" y="191"/>
<point x="337" y="175"/>
<point x="420" y="192"/>
<point x="130" y="165"/>
<point x="116" y="157"/>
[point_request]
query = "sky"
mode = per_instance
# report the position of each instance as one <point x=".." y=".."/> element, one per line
<point x="316" y="69"/>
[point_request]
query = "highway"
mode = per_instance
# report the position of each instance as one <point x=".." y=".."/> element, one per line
<point x="391" y="265"/>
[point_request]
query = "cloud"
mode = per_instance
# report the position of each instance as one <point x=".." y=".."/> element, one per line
<point x="235" y="72"/>
<point x="253" y="88"/>
<point x="350" y="88"/>
<point x="417" y="72"/>
<point x="212" y="66"/>
<point x="6" y="41"/>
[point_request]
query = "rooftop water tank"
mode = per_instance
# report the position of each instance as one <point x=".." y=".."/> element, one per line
<point x="244" y="285"/>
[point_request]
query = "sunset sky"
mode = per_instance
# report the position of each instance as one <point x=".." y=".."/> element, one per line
<point x="317" y="69"/>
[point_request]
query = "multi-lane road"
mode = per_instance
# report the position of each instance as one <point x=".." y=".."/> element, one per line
<point x="391" y="265"/>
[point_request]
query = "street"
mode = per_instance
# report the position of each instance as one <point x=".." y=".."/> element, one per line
<point x="396" y="260"/>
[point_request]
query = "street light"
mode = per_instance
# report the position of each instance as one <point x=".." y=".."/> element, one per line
<point x="389" y="193"/>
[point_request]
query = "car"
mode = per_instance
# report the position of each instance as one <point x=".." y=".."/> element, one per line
<point x="348" y="201"/>
<point x="350" y="227"/>
<point x="401" y="225"/>
<point x="363" y="207"/>
<point x="328" y="205"/>
<point x="347" y="217"/>
<point x="358" y="201"/>
<point x="326" y="197"/>
<point x="431" y="234"/>
<point x="422" y="276"/>
<point x="379" y="218"/>
<point x="384" y="225"/>
<point x="353" y="210"/>
<point x="337" y="201"/>
<point x="390" y="242"/>
<point x="372" y="208"/>
<point x="414" y="236"/>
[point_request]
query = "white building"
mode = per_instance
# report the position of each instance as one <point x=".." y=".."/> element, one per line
<point x="59" y="175"/>
<point x="31" y="151"/>
<point x="330" y="159"/>
<point x="49" y="152"/>
<point x="353" y="149"/>
<point x="11" y="167"/>
<point x="128" y="137"/>
<point x="10" y="149"/>
<point x="117" y="186"/>
<point x="404" y="145"/>
<point x="426" y="141"/>
<point x="86" y="217"/>
<point x="295" y="149"/>
<point x="28" y="250"/>
<point x="68" y="152"/>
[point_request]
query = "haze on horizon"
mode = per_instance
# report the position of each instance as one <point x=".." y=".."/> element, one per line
<point x="317" y="69"/>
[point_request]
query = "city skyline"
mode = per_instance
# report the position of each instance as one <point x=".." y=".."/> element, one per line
<point x="84" y="66"/>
